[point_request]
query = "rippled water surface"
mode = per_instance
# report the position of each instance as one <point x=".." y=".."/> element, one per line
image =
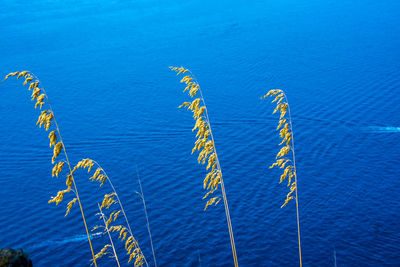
<point x="104" y="65"/>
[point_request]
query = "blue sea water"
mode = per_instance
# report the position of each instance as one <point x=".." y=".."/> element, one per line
<point x="104" y="65"/>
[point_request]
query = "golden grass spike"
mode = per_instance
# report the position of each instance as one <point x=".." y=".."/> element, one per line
<point x="39" y="100"/>
<point x="108" y="222"/>
<point x="42" y="118"/>
<point x="207" y="194"/>
<point x="116" y="228"/>
<point x="96" y="227"/>
<point x="31" y="85"/>
<point x="96" y="174"/>
<point x="182" y="70"/>
<point x="198" y="112"/>
<point x="53" y="138"/>
<point x="102" y="252"/>
<point x="286" y="201"/>
<point x="283" y="152"/>
<point x="284" y="163"/>
<point x="56" y="151"/>
<point x="10" y="75"/>
<point x="283" y="110"/>
<point x="185" y="104"/>
<point x="206" y="179"/>
<point x="285" y="173"/>
<point x="68" y="182"/>
<point x="104" y="178"/>
<point x="139" y="261"/>
<point x="212" y="179"/>
<point x="277" y="163"/>
<point x="124" y="237"/>
<point x="22" y="73"/>
<point x="57" y="168"/>
<point x="116" y="215"/>
<point x="69" y="206"/>
<point x="281" y="122"/>
<point x="211" y="160"/>
<point x="280" y="96"/>
<point x="286" y="137"/>
<point x="186" y="79"/>
<point x="130" y="247"/>
<point x="193" y="91"/>
<point x="60" y="195"/>
<point x="128" y="241"/>
<point x="291" y="175"/>
<point x="278" y="107"/>
<point x="121" y="232"/>
<point x="35" y="93"/>
<point x="210" y="202"/>
<point x="47" y="121"/>
<point x="195" y="104"/>
<point x="131" y="257"/>
<point x="27" y="80"/>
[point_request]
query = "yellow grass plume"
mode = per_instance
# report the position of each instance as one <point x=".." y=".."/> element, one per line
<point x="47" y="120"/>
<point x="205" y="146"/>
<point x="284" y="161"/>
<point x="112" y="204"/>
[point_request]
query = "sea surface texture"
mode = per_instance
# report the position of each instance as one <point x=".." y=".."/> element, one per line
<point x="104" y="65"/>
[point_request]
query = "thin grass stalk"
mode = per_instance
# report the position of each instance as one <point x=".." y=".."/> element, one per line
<point x="288" y="138"/>
<point x="68" y="163"/>
<point x="73" y="179"/>
<point x="228" y="217"/>
<point x="120" y="204"/>
<point x="147" y="218"/>
<point x="109" y="235"/>
<point x="295" y="179"/>
<point x="196" y="87"/>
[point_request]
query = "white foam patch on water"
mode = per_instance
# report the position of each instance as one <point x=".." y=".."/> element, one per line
<point x="382" y="129"/>
<point x="76" y="238"/>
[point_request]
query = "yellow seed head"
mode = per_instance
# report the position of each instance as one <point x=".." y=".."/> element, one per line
<point x="53" y="138"/>
<point x="57" y="168"/>
<point x="69" y="205"/>
<point x="56" y="151"/>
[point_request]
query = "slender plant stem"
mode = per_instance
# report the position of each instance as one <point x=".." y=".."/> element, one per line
<point x="108" y="232"/>
<point x="122" y="208"/>
<point x="147" y="218"/>
<point x="295" y="179"/>
<point x="70" y="171"/>
<point x="228" y="217"/>
<point x="334" y="256"/>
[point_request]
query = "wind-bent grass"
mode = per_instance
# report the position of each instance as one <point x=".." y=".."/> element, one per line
<point x="45" y="119"/>
<point x="131" y="244"/>
<point x="205" y="144"/>
<point x="283" y="162"/>
<point x="147" y="217"/>
<point x="102" y="216"/>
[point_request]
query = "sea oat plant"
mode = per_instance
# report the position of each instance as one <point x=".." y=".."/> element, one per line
<point x="283" y="161"/>
<point x="46" y="120"/>
<point x="206" y="147"/>
<point x="123" y="228"/>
